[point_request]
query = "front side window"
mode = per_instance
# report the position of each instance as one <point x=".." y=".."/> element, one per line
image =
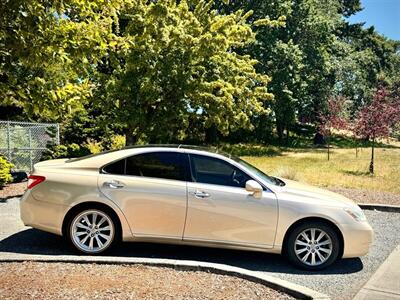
<point x="215" y="171"/>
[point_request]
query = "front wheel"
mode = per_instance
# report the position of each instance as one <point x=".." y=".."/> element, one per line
<point x="92" y="231"/>
<point x="313" y="246"/>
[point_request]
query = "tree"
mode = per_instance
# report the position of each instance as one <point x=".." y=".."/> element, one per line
<point x="376" y="120"/>
<point x="48" y="51"/>
<point x="300" y="57"/>
<point x="179" y="62"/>
<point x="334" y="117"/>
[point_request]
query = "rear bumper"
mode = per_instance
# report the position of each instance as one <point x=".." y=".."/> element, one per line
<point x="42" y="215"/>
<point x="357" y="239"/>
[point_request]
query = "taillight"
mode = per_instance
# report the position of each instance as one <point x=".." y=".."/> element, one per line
<point x="34" y="180"/>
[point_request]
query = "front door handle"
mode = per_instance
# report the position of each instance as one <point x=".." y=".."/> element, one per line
<point x="114" y="184"/>
<point x="200" y="194"/>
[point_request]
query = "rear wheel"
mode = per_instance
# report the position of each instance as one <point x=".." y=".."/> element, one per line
<point x="313" y="246"/>
<point x="92" y="231"/>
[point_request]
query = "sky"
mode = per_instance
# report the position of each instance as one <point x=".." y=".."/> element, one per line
<point x="384" y="15"/>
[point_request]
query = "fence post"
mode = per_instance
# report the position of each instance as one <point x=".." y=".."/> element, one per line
<point x="58" y="134"/>
<point x="8" y="141"/>
<point x="30" y="148"/>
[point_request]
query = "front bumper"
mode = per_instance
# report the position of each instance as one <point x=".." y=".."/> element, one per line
<point x="357" y="239"/>
<point x="42" y="215"/>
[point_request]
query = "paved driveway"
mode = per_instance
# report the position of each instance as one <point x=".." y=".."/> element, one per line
<point x="340" y="281"/>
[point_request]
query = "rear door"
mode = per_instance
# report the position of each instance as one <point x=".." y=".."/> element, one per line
<point x="150" y="188"/>
<point x="220" y="210"/>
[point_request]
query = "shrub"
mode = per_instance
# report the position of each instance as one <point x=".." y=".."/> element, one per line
<point x="93" y="146"/>
<point x="117" y="142"/>
<point x="5" y="168"/>
<point x="286" y="172"/>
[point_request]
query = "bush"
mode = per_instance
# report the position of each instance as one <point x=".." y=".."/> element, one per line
<point x="117" y="142"/>
<point x="93" y="146"/>
<point x="287" y="173"/>
<point x="5" y="169"/>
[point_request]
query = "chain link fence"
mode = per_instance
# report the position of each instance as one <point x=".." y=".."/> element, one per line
<point x="23" y="143"/>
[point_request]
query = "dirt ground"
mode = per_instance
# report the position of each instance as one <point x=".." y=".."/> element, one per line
<point x="35" y="280"/>
<point x="13" y="190"/>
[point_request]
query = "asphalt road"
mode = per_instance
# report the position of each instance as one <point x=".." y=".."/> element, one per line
<point x="340" y="281"/>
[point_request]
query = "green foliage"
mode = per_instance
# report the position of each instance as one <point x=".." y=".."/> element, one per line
<point x="5" y="168"/>
<point x="180" y="64"/>
<point x="93" y="146"/>
<point x="49" y="49"/>
<point x="172" y="71"/>
<point x="117" y="142"/>
<point x="65" y="151"/>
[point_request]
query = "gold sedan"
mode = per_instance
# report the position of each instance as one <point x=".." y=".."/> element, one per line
<point x="190" y="195"/>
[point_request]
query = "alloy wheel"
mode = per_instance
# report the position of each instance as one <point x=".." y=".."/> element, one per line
<point x="92" y="231"/>
<point x="313" y="246"/>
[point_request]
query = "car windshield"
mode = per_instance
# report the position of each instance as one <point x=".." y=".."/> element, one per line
<point x="259" y="173"/>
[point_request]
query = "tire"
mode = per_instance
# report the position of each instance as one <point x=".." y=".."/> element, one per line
<point x="310" y="253"/>
<point x="92" y="231"/>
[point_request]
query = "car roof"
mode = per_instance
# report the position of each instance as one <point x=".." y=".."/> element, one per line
<point x="110" y="155"/>
<point x="177" y="146"/>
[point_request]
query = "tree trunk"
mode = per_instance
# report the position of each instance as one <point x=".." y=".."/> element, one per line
<point x="371" y="165"/>
<point x="211" y="134"/>
<point x="328" y="140"/>
<point x="287" y="135"/>
<point x="279" y="130"/>
<point x="130" y="139"/>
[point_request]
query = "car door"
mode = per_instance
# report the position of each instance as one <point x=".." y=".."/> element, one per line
<point x="150" y="188"/>
<point x="220" y="210"/>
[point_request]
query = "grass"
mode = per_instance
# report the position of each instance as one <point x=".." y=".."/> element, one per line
<point x="343" y="170"/>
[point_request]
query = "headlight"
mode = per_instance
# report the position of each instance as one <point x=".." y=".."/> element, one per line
<point x="357" y="214"/>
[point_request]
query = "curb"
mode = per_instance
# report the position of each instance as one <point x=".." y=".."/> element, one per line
<point x="295" y="290"/>
<point x="380" y="207"/>
<point x="382" y="284"/>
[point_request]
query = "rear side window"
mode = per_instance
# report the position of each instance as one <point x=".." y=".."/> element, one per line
<point x="166" y="165"/>
<point x="117" y="168"/>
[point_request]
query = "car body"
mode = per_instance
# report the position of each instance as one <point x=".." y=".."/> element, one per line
<point x="190" y="195"/>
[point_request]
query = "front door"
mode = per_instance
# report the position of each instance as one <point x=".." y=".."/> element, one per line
<point x="150" y="188"/>
<point x="220" y="210"/>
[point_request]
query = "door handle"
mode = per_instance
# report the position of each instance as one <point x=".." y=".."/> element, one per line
<point x="200" y="194"/>
<point x="114" y="184"/>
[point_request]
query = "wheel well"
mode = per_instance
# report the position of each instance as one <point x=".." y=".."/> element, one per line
<point x="92" y="205"/>
<point x="314" y="219"/>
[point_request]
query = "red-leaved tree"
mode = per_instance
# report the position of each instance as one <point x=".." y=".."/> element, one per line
<point x="333" y="117"/>
<point x="376" y="120"/>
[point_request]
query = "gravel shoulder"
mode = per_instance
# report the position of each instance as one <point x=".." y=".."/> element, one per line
<point x="93" y="281"/>
<point x="365" y="196"/>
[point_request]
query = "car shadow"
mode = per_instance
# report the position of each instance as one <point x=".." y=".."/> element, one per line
<point x="36" y="242"/>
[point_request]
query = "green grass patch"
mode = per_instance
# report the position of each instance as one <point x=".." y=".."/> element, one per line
<point x="344" y="169"/>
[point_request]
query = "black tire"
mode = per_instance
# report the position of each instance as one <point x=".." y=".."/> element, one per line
<point x="111" y="221"/>
<point x="319" y="226"/>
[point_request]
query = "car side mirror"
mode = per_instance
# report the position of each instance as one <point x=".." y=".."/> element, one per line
<point x="255" y="188"/>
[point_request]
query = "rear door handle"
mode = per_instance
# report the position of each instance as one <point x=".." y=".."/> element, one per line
<point x="200" y="194"/>
<point x="114" y="184"/>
